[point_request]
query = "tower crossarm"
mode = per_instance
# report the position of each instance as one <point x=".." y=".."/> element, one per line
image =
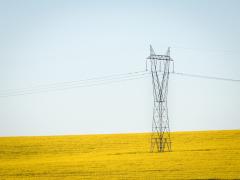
<point x="160" y="57"/>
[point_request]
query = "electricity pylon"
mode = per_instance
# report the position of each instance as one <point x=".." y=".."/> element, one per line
<point x="160" y="66"/>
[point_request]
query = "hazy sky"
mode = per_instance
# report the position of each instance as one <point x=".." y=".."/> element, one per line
<point x="45" y="42"/>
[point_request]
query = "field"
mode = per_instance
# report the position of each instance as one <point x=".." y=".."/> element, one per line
<point x="200" y="154"/>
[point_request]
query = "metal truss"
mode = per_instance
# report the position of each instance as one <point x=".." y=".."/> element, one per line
<point x="160" y="66"/>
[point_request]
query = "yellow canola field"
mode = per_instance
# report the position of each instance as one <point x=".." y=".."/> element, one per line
<point x="199" y="154"/>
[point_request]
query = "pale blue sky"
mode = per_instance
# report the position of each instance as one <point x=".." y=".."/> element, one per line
<point x="44" y="42"/>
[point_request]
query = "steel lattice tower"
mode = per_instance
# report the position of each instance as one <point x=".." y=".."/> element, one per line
<point x="160" y="66"/>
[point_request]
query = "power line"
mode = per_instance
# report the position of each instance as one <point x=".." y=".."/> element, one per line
<point x="206" y="77"/>
<point x="74" y="83"/>
<point x="80" y="85"/>
<point x="228" y="51"/>
<point x="66" y="83"/>
<point x="96" y="81"/>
